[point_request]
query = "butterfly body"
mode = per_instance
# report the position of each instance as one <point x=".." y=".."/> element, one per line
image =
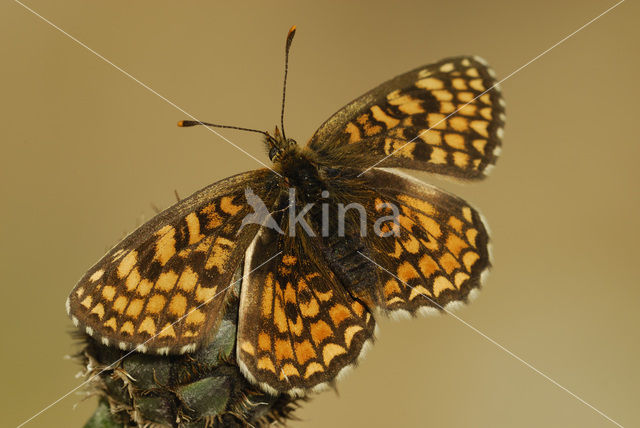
<point x="345" y="236"/>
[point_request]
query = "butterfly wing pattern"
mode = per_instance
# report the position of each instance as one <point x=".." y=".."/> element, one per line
<point x="162" y="288"/>
<point x="300" y="324"/>
<point x="446" y="118"/>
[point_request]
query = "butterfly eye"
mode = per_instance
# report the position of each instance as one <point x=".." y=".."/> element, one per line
<point x="291" y="141"/>
<point x="273" y="153"/>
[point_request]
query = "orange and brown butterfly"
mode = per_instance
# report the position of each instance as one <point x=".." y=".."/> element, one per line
<point x="309" y="296"/>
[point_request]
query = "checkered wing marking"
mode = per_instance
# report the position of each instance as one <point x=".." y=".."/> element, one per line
<point x="159" y="289"/>
<point x="440" y="253"/>
<point x="408" y="116"/>
<point x="298" y="328"/>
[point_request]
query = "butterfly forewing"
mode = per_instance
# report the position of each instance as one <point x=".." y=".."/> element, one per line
<point x="162" y="288"/>
<point x="445" y="118"/>
<point x="439" y="252"/>
<point x="298" y="327"/>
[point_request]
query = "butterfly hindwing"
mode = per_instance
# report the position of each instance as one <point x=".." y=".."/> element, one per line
<point x="445" y="118"/>
<point x="439" y="251"/>
<point x="162" y="288"/>
<point x="298" y="327"/>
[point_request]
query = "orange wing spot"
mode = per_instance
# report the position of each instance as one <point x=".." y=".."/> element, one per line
<point x="442" y="95"/>
<point x="296" y="327"/>
<point x="480" y="126"/>
<point x="264" y="342"/>
<point x="144" y="287"/>
<point x="205" y="294"/>
<point x="189" y="333"/>
<point x="111" y="323"/>
<point x="455" y="140"/>
<point x="394" y="300"/>
<point x="391" y="287"/>
<point x="178" y="305"/>
<point x="289" y="260"/>
<point x="288" y="370"/>
<point x="193" y="226"/>
<point x="479" y="145"/>
<point x="195" y="316"/>
<point x="324" y="296"/>
<point x="428" y="266"/>
<point x="120" y="304"/>
<point x="459" y="124"/>
<point x="407" y="272"/>
<point x="339" y="313"/>
<point x="398" y="250"/>
<point x="418" y="204"/>
<point x="431" y="137"/>
<point x="265" y="363"/>
<point x="313" y="368"/>
<point x="349" y="333"/>
<point x="430" y="83"/>
<point x="219" y="254"/>
<point x="96" y="275"/>
<point x="188" y="279"/>
<point x="214" y="218"/>
<point x="436" y="121"/>
<point x="134" y="308"/>
<point x="486" y="99"/>
<point x="226" y="205"/>
<point x="279" y="317"/>
<point x="309" y="310"/>
<point x="330" y="351"/>
<point x="248" y="348"/>
<point x="486" y="113"/>
<point x="438" y="156"/>
<point x="431" y="226"/>
<point x="467" y="109"/>
<point x="447" y="107"/>
<point x="283" y="350"/>
<point x="98" y="310"/>
<point x="466" y="213"/>
<point x="405" y="103"/>
<point x="472" y="72"/>
<point x="267" y="296"/>
<point x="166" y="281"/>
<point x="304" y="351"/>
<point x="87" y="302"/>
<point x="459" y="84"/>
<point x="465" y="97"/>
<point x="440" y="284"/>
<point x="127" y="263"/>
<point x="455" y="244"/>
<point x="471" y="236"/>
<point x="320" y="331"/>
<point x="381" y="116"/>
<point x="132" y="279"/>
<point x="460" y="278"/>
<point x="357" y="308"/>
<point x="127" y="328"/>
<point x="155" y="304"/>
<point x="449" y="263"/>
<point x="411" y="244"/>
<point x="370" y="130"/>
<point x="469" y="259"/>
<point x="354" y="133"/>
<point x="147" y="326"/>
<point x="289" y="294"/>
<point x="455" y="223"/>
<point x="80" y="291"/>
<point x="419" y="291"/>
<point x="167" y="331"/>
<point x="461" y="159"/>
<point x="166" y="245"/>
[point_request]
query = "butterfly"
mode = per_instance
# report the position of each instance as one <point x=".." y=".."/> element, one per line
<point x="313" y="283"/>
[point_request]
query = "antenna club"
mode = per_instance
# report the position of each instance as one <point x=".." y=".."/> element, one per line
<point x="181" y="124"/>
<point x="291" y="32"/>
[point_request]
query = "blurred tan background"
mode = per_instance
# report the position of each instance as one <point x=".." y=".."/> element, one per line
<point x="86" y="151"/>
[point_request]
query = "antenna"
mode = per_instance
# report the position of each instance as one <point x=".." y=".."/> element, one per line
<point x="188" y="123"/>
<point x="290" y="34"/>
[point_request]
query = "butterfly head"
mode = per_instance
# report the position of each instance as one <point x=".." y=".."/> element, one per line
<point x="278" y="145"/>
